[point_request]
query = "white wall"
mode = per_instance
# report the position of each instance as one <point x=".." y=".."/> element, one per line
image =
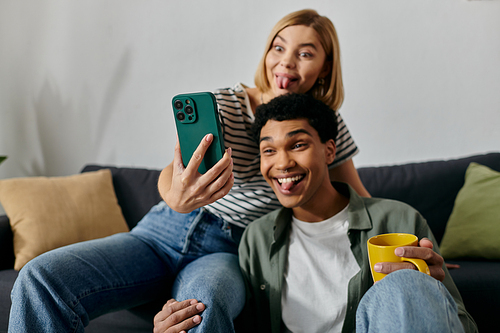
<point x="90" y="81"/>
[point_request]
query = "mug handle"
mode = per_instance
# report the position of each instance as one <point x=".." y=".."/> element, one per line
<point x="419" y="263"/>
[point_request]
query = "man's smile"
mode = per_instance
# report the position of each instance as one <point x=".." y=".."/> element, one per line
<point x="287" y="183"/>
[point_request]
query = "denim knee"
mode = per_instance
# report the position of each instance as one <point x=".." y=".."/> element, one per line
<point x="38" y="272"/>
<point x="408" y="301"/>
<point x="216" y="281"/>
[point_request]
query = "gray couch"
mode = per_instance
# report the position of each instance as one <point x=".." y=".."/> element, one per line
<point x="430" y="187"/>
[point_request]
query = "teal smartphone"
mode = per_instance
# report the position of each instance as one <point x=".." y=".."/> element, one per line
<point x="196" y="115"/>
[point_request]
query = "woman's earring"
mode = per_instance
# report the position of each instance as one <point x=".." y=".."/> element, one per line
<point x="321" y="81"/>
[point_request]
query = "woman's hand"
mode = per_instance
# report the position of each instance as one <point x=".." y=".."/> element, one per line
<point x="185" y="189"/>
<point x="424" y="252"/>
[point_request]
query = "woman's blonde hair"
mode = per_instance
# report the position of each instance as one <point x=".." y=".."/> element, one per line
<point x="331" y="92"/>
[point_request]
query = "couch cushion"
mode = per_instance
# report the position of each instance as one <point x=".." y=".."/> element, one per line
<point x="136" y="190"/>
<point x="124" y="321"/>
<point x="478" y="284"/>
<point x="46" y="213"/>
<point x="430" y="187"/>
<point x="473" y="229"/>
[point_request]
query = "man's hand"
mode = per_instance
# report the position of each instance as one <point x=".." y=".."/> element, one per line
<point x="178" y="317"/>
<point x="424" y="252"/>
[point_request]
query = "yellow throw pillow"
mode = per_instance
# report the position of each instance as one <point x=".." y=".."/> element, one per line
<point x="49" y="212"/>
<point x="473" y="229"/>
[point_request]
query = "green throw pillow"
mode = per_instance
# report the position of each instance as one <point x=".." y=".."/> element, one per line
<point x="473" y="229"/>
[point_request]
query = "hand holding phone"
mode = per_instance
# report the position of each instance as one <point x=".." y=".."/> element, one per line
<point x="195" y="116"/>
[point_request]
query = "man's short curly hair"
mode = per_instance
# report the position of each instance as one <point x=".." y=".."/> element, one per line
<point x="297" y="106"/>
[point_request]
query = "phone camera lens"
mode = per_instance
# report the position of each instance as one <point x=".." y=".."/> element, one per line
<point x="180" y="116"/>
<point x="189" y="109"/>
<point x="178" y="104"/>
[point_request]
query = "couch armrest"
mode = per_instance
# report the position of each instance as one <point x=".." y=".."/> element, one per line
<point x="6" y="244"/>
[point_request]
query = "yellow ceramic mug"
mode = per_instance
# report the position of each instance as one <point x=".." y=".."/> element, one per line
<point x="381" y="249"/>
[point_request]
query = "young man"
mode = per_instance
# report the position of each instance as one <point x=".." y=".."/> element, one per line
<point x="306" y="266"/>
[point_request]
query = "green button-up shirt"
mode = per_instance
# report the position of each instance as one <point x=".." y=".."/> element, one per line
<point x="264" y="247"/>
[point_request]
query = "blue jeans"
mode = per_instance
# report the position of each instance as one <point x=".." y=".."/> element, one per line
<point x="166" y="255"/>
<point x="408" y="301"/>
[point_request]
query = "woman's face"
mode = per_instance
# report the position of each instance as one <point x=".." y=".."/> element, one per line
<point x="295" y="61"/>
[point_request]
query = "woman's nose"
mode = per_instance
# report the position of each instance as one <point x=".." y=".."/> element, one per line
<point x="287" y="60"/>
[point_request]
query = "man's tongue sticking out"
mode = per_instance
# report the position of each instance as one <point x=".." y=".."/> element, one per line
<point x="287" y="186"/>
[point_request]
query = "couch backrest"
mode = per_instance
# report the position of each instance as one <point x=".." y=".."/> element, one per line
<point x="429" y="187"/>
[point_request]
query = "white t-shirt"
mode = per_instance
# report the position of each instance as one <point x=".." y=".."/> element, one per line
<point x="319" y="266"/>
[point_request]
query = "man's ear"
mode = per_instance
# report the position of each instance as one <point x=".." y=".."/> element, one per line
<point x="330" y="150"/>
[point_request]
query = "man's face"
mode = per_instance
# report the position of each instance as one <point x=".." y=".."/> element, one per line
<point x="294" y="162"/>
